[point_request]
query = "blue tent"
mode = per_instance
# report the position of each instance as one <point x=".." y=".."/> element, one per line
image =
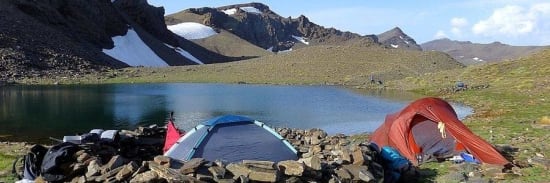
<point x="232" y="138"/>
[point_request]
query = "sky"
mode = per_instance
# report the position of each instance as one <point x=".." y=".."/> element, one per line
<point x="514" y="22"/>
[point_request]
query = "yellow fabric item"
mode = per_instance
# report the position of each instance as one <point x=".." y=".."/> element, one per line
<point x="441" y="127"/>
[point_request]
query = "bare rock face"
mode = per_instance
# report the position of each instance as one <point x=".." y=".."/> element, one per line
<point x="45" y="38"/>
<point x="149" y="17"/>
<point x="66" y="37"/>
<point x="265" y="28"/>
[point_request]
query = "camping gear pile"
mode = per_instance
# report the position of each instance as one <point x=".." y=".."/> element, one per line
<point x="77" y="155"/>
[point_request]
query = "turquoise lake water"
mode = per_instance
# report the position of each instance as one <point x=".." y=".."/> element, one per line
<point x="34" y="113"/>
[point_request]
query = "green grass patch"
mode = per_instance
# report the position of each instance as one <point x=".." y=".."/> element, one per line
<point x="6" y="162"/>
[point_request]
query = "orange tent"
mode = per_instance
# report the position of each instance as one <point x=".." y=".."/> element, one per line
<point x="430" y="127"/>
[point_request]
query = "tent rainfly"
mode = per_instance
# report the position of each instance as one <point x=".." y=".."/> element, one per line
<point x="232" y="138"/>
<point x="429" y="127"/>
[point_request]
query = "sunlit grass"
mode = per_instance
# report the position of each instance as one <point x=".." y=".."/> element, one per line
<point x="6" y="162"/>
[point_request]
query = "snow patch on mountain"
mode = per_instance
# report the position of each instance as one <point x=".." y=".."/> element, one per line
<point x="477" y="59"/>
<point x="248" y="9"/>
<point x="231" y="11"/>
<point x="285" y="51"/>
<point x="406" y="42"/>
<point x="131" y="50"/>
<point x="185" y="54"/>
<point x="192" y="30"/>
<point x="270" y="49"/>
<point x="301" y="39"/>
<point x="394" y="46"/>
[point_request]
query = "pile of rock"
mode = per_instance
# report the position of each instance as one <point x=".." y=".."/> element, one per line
<point x="321" y="158"/>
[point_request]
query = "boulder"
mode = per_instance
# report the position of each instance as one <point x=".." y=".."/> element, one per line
<point x="238" y="169"/>
<point x="315" y="149"/>
<point x="357" y="156"/>
<point x="243" y="179"/>
<point x="259" y="164"/>
<point x="149" y="176"/>
<point x="217" y="172"/>
<point x="205" y="178"/>
<point x="83" y="157"/>
<point x="169" y="174"/>
<point x="312" y="162"/>
<point x="79" y="168"/>
<point x="291" y="168"/>
<point x="315" y="141"/>
<point x="343" y="175"/>
<point x="80" y="179"/>
<point x="346" y="157"/>
<point x="109" y="174"/>
<point x="303" y="149"/>
<point x="144" y="167"/>
<point x="93" y="168"/>
<point x="355" y="170"/>
<point x="262" y="174"/>
<point x="162" y="160"/>
<point x="127" y="171"/>
<point x="320" y="134"/>
<point x="366" y="176"/>
<point x="192" y="165"/>
<point x="115" y="162"/>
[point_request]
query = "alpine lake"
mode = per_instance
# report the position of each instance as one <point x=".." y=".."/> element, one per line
<point x="35" y="113"/>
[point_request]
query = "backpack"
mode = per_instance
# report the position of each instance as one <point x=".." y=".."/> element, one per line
<point x="394" y="163"/>
<point x="32" y="162"/>
<point x="56" y="162"/>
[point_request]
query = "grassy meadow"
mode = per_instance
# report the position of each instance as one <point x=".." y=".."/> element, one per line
<point x="511" y="100"/>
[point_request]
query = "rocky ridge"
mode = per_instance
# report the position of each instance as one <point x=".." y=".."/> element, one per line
<point x="469" y="53"/>
<point x="265" y="29"/>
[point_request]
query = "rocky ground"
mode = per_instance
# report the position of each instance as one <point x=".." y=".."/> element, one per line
<point x="322" y="158"/>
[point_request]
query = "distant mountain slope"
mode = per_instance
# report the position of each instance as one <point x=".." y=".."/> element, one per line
<point x="233" y="46"/>
<point x="320" y="64"/>
<point x="68" y="37"/>
<point x="257" y="24"/>
<point x="396" y="38"/>
<point x="30" y="47"/>
<point x="469" y="53"/>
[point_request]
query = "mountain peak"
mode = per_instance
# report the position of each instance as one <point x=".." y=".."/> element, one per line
<point x="396" y="38"/>
<point x="396" y="30"/>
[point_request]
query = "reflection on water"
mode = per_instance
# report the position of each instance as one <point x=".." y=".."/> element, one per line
<point x="38" y="112"/>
